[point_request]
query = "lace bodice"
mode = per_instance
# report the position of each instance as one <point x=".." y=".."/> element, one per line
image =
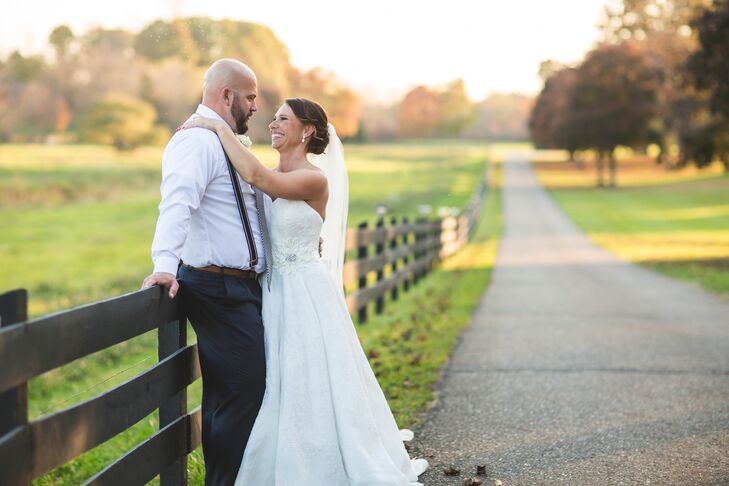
<point x="294" y="228"/>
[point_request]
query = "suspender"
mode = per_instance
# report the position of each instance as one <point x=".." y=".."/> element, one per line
<point x="243" y="213"/>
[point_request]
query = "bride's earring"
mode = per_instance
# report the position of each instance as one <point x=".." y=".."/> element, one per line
<point x="303" y="138"/>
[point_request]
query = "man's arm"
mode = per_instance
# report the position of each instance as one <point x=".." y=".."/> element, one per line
<point x="188" y="167"/>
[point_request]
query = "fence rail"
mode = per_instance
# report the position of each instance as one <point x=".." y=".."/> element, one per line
<point x="30" y="348"/>
<point x="404" y="252"/>
<point x="390" y="259"/>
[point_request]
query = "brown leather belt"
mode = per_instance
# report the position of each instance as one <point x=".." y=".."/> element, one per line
<point x="233" y="272"/>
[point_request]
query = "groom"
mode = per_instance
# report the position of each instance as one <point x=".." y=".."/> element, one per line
<point x="210" y="244"/>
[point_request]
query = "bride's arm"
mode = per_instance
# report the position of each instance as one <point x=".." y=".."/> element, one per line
<point x="297" y="185"/>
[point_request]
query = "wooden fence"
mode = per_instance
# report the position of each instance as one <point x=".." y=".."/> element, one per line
<point x="390" y="259"/>
<point x="397" y="255"/>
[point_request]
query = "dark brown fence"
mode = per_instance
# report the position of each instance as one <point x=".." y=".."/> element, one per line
<point x="394" y="256"/>
<point x="30" y="348"/>
<point x="390" y="258"/>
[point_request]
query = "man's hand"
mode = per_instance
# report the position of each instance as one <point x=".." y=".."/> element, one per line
<point x="163" y="279"/>
<point x="321" y="246"/>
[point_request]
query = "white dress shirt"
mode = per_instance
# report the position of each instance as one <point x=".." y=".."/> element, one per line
<point x="198" y="219"/>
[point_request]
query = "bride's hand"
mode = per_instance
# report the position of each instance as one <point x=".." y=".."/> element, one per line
<point x="202" y="122"/>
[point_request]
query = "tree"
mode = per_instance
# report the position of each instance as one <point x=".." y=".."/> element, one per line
<point x="158" y="40"/>
<point x="60" y="76"/>
<point x="625" y="20"/>
<point x="551" y="121"/>
<point x="119" y="120"/>
<point x="614" y="100"/>
<point x="709" y="70"/>
<point x="28" y="98"/>
<point x="710" y="63"/>
<point x="107" y="63"/>
<point x="457" y="111"/>
<point x="20" y="69"/>
<point x="206" y="36"/>
<point x="61" y="38"/>
<point x="162" y="64"/>
<point x="419" y="113"/>
<point x="501" y="117"/>
<point x="664" y="30"/>
<point x="341" y="103"/>
<point x="173" y="87"/>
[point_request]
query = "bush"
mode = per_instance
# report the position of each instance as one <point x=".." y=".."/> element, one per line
<point x="119" y="120"/>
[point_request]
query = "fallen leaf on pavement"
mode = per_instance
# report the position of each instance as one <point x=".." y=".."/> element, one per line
<point x="451" y="471"/>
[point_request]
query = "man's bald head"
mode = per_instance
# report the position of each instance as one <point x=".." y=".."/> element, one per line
<point x="226" y="72"/>
<point x="230" y="89"/>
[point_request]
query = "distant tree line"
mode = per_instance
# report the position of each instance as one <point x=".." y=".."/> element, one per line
<point x="448" y="112"/>
<point x="660" y="77"/>
<point x="123" y="88"/>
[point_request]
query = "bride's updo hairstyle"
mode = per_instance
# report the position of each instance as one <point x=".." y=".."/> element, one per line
<point x="311" y="113"/>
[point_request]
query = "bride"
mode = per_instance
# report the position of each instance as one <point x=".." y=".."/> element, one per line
<point x="324" y="419"/>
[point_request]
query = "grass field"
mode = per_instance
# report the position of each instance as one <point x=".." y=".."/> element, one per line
<point x="676" y="222"/>
<point x="76" y="223"/>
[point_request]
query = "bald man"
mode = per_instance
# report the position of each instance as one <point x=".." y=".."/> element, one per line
<point x="209" y="245"/>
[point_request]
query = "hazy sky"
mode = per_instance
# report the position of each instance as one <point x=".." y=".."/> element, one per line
<point x="380" y="47"/>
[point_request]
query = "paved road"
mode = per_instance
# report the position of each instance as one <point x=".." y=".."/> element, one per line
<point x="579" y="368"/>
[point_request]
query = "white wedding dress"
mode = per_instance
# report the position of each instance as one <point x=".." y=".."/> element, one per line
<point x="324" y="420"/>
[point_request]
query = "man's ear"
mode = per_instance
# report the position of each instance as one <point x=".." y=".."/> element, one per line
<point x="228" y="96"/>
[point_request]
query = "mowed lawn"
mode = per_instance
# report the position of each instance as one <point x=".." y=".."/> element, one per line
<point x="76" y="223"/>
<point x="676" y="221"/>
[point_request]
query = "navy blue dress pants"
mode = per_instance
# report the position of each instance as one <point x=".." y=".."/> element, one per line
<point x="225" y="313"/>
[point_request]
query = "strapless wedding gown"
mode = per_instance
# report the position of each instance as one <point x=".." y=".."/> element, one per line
<point x="324" y="420"/>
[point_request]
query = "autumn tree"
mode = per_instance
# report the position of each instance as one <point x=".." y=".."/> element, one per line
<point x="710" y="63"/>
<point x="636" y="20"/>
<point x="61" y="38"/>
<point x="340" y="102"/>
<point x="163" y="65"/>
<point x="613" y="101"/>
<point x="419" y="113"/>
<point x="107" y="64"/>
<point x="501" y="117"/>
<point x="709" y="69"/>
<point x="158" y="40"/>
<point x="60" y="76"/>
<point x="665" y="32"/>
<point x="457" y="111"/>
<point x="118" y="120"/>
<point x="173" y="87"/>
<point x="551" y="121"/>
<point x="26" y="98"/>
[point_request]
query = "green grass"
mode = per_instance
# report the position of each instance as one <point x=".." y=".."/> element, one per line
<point x="674" y="222"/>
<point x="76" y="223"/>
<point x="76" y="230"/>
<point x="410" y="342"/>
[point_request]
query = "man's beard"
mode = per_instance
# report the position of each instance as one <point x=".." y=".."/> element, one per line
<point x="241" y="119"/>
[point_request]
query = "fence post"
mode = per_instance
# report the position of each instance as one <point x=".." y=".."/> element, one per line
<point x="379" y="250"/>
<point x="393" y="248"/>
<point x="13" y="402"/>
<point x="419" y="236"/>
<point x="172" y="336"/>
<point x="406" y="241"/>
<point x="436" y="246"/>
<point x="362" y="284"/>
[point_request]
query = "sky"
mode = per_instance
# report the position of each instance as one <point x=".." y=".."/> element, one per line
<point x="381" y="48"/>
